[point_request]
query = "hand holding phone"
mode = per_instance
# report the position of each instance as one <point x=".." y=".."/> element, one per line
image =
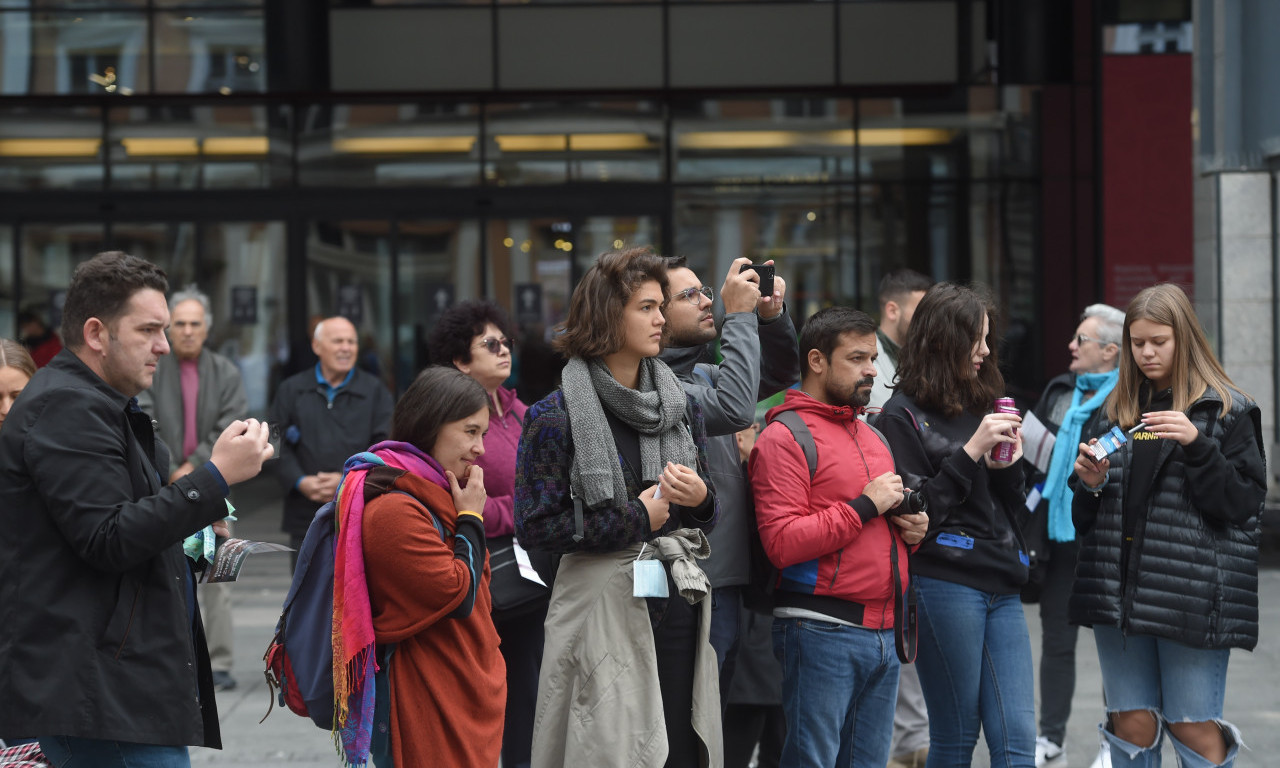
<point x="765" y="271"/>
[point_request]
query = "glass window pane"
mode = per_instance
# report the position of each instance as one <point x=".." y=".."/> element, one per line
<point x="910" y="139"/>
<point x="8" y="309"/>
<point x="49" y="253"/>
<point x="370" y="145"/>
<point x="439" y="265"/>
<point x="88" y="52"/>
<point x="801" y="228"/>
<point x="200" y="147"/>
<point x="202" y="51"/>
<point x="169" y="245"/>
<point x="349" y="274"/>
<point x="550" y="143"/>
<point x="50" y="148"/>
<point x="745" y="141"/>
<point x="242" y="269"/>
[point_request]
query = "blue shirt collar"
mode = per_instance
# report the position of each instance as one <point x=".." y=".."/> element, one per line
<point x="331" y="391"/>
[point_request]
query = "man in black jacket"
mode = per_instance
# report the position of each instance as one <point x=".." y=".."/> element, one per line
<point x="102" y="654"/>
<point x="326" y="414"/>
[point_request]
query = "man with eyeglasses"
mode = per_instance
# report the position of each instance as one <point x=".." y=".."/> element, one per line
<point x="325" y="415"/>
<point x="759" y="359"/>
<point x="1067" y="408"/>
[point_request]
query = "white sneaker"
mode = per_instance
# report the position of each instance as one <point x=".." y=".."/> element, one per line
<point x="1103" y="760"/>
<point x="1049" y="755"/>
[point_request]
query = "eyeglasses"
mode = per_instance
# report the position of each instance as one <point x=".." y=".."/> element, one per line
<point x="691" y="295"/>
<point x="1081" y="339"/>
<point x="492" y="344"/>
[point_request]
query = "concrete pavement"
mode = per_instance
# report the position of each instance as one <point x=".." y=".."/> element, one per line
<point x="1253" y="687"/>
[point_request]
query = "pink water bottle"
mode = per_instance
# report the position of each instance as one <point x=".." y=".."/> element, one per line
<point x="1003" y="452"/>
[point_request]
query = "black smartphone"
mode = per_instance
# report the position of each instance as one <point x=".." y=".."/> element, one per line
<point x="766" y="276"/>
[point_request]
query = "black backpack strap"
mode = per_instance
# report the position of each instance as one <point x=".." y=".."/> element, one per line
<point x="803" y="437"/>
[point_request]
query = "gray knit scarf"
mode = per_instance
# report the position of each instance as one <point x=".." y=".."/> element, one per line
<point x="655" y="409"/>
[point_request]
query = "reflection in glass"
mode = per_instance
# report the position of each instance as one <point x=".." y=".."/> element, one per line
<point x="367" y="145"/>
<point x="550" y="143"/>
<point x="752" y="140"/>
<point x="247" y="260"/>
<point x="49" y="253"/>
<point x="169" y="245"/>
<point x="439" y="265"/>
<point x="8" y="312"/>
<point x="90" y="52"/>
<point x="202" y="51"/>
<point x="50" y="148"/>
<point x="199" y="147"/>
<point x="800" y="228"/>
<point x="349" y="274"/>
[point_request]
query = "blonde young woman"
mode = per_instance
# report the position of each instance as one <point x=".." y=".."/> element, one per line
<point x="1168" y="575"/>
<point x="16" y="369"/>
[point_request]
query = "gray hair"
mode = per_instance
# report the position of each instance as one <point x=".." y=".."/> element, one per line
<point x="1110" y="322"/>
<point x="192" y="293"/>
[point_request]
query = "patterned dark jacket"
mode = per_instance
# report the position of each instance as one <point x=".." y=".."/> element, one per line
<point x="1192" y="571"/>
<point x="544" y="511"/>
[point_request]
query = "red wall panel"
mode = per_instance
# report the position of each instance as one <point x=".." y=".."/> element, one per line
<point x="1146" y="173"/>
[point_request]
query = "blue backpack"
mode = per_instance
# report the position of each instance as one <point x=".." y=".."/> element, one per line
<point x="299" y="659"/>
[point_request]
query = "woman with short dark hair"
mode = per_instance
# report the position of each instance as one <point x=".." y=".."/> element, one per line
<point x="476" y="338"/>
<point x="612" y="473"/>
<point x="410" y="570"/>
<point x="974" y="655"/>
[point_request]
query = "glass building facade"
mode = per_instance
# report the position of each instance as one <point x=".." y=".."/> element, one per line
<point x="383" y="160"/>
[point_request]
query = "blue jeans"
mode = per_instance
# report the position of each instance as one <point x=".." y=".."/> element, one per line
<point x="1175" y="682"/>
<point x="68" y="752"/>
<point x="726" y="611"/>
<point x="839" y="685"/>
<point x="975" y="669"/>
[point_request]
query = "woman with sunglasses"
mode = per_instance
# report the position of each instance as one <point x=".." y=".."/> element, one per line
<point x="475" y="338"/>
<point x="612" y="473"/>
<point x="1168" y="525"/>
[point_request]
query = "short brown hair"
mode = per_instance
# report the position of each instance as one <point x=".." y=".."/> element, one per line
<point x="935" y="364"/>
<point x="441" y="394"/>
<point x="14" y="355"/>
<point x="102" y="287"/>
<point x="593" y="327"/>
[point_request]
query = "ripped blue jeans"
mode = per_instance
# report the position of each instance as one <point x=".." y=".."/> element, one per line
<point x="1175" y="682"/>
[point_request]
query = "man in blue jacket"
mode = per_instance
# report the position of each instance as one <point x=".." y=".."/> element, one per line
<point x="102" y="654"/>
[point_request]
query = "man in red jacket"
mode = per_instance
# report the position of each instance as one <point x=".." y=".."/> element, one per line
<point x="833" y="537"/>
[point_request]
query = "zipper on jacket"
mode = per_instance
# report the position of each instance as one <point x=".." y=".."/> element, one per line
<point x="839" y="560"/>
<point x="133" y="608"/>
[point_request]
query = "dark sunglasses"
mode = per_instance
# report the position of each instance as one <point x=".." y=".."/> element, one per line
<point x="492" y="344"/>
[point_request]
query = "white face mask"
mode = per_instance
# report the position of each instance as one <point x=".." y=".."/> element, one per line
<point x="650" y="577"/>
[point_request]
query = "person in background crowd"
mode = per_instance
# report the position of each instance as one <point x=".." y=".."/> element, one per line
<point x="194" y="395"/>
<point x="37" y="337"/>
<point x="974" y="658"/>
<point x="900" y="293"/>
<point x="16" y="369"/>
<point x="840" y="543"/>
<point x="475" y="337"/>
<point x="428" y="590"/>
<point x="1168" y="526"/>
<point x="755" y="725"/>
<point x="104" y="657"/>
<point x="1068" y="403"/>
<point x="612" y="473"/>
<point x="324" y="414"/>
<point x="759" y="359"/>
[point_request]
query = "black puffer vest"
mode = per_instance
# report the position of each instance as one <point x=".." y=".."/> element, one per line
<point x="1192" y="577"/>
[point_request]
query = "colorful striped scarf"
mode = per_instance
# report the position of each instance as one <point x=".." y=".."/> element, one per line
<point x="354" y="664"/>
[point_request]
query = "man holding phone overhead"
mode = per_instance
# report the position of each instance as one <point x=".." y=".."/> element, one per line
<point x="758" y="347"/>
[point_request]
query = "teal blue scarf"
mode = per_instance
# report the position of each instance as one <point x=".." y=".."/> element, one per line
<point x="1067" y="446"/>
